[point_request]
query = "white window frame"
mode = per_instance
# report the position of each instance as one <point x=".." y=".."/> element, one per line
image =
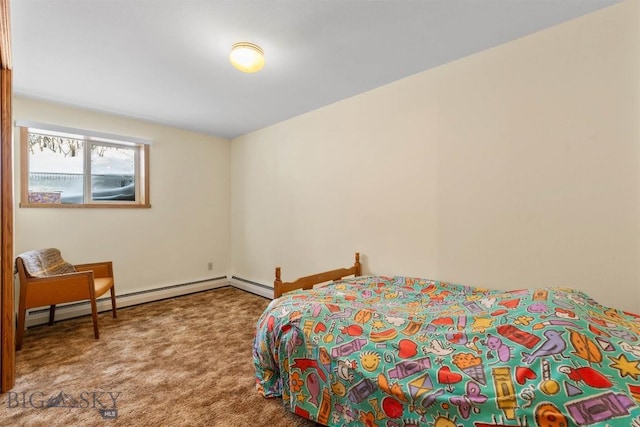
<point x="141" y="176"/>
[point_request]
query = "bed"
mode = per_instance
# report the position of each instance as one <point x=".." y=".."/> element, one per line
<point x="405" y="352"/>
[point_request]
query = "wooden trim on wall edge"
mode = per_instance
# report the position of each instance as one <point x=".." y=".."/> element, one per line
<point x="7" y="302"/>
<point x="5" y="36"/>
<point x="7" y="309"/>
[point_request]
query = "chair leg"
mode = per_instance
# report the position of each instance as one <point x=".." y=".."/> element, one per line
<point x="94" y="313"/>
<point x="22" y="312"/>
<point x="52" y="314"/>
<point x="113" y="303"/>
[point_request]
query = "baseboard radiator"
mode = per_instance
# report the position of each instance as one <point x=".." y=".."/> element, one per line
<point x="253" y="287"/>
<point x="40" y="316"/>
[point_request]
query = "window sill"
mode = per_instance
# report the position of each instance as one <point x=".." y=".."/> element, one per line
<point x="85" y="205"/>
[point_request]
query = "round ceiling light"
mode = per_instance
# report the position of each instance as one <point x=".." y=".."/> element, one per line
<point x="247" y="57"/>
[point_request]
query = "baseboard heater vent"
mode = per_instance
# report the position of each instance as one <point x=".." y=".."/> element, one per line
<point x="253" y="287"/>
<point x="67" y="311"/>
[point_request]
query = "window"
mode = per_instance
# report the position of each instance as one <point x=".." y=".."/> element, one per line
<point x="64" y="167"/>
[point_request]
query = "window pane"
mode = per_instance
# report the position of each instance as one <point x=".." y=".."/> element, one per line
<point x="69" y="169"/>
<point x="55" y="169"/>
<point x="112" y="173"/>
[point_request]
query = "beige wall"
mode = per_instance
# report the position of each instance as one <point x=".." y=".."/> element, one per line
<point x="515" y="167"/>
<point x="186" y="228"/>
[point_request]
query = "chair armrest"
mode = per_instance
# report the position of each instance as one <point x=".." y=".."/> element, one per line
<point x="100" y="269"/>
<point x="78" y="275"/>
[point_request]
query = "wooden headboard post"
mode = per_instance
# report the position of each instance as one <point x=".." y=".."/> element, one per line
<point x="307" y="282"/>
<point x="277" y="284"/>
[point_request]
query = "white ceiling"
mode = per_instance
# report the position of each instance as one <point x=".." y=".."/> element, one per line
<point x="166" y="61"/>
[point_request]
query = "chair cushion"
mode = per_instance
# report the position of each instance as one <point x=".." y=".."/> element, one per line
<point x="45" y="262"/>
<point x="102" y="285"/>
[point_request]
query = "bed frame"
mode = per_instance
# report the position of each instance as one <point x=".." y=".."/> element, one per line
<point x="307" y="282"/>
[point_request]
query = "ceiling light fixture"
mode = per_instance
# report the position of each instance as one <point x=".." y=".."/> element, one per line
<point x="247" y="57"/>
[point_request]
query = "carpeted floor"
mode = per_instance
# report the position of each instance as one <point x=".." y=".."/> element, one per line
<point x="179" y="362"/>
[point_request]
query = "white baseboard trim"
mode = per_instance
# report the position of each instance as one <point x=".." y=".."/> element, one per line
<point x="253" y="287"/>
<point x="40" y="316"/>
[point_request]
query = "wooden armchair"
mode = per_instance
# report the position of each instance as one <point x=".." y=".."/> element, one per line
<point x="46" y="279"/>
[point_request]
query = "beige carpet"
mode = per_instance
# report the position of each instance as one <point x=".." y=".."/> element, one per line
<point x="179" y="362"/>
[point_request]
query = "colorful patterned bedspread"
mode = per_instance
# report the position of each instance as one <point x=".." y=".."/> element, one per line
<point x="404" y="352"/>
